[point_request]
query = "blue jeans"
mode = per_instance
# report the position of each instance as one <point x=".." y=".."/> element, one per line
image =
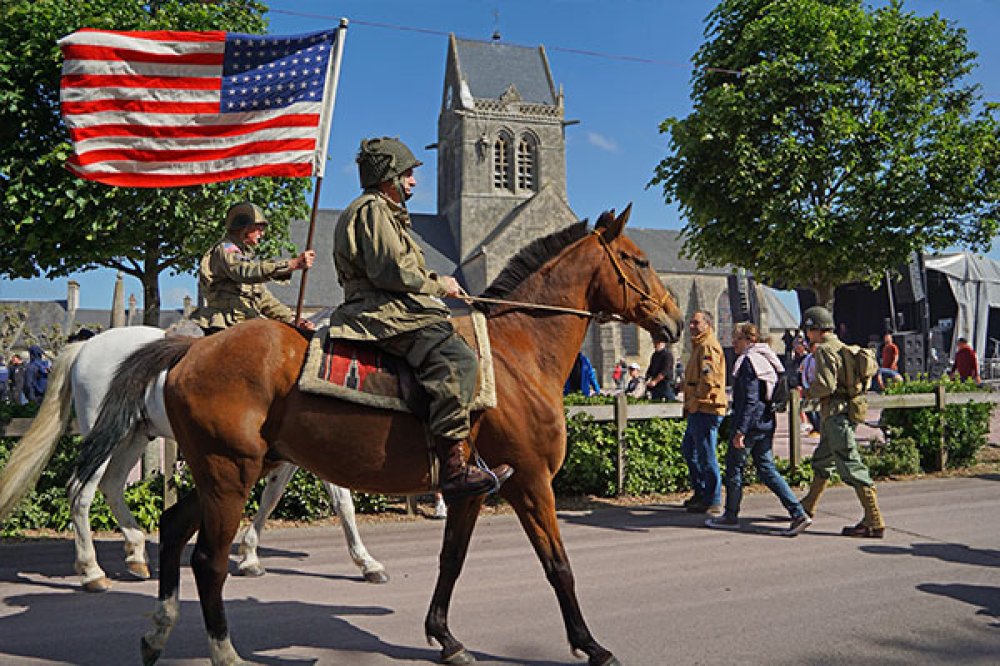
<point x="698" y="449"/>
<point x="757" y="444"/>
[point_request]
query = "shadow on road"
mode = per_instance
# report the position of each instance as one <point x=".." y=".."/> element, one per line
<point x="946" y="552"/>
<point x="987" y="598"/>
<point x="258" y="628"/>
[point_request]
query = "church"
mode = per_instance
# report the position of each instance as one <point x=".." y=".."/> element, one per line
<point x="501" y="174"/>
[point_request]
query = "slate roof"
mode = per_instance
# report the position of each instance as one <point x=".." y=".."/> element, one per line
<point x="43" y="314"/>
<point x="663" y="247"/>
<point x="489" y="68"/>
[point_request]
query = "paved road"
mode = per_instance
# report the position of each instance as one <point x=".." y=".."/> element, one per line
<point x="656" y="588"/>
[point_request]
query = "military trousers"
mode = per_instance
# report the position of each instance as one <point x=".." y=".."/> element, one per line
<point x="838" y="449"/>
<point x="446" y="368"/>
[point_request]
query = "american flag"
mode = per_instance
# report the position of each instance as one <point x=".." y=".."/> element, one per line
<point x="169" y="108"/>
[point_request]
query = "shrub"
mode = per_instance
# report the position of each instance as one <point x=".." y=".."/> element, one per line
<point x="653" y="458"/>
<point x="965" y="426"/>
<point x="898" y="455"/>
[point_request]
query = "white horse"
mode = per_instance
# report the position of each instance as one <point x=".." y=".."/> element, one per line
<point x="81" y="374"/>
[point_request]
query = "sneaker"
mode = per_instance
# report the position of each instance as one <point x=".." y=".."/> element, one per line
<point x="798" y="526"/>
<point x="862" y="531"/>
<point x="701" y="507"/>
<point x="723" y="522"/>
<point x="691" y="501"/>
<point x="440" y="509"/>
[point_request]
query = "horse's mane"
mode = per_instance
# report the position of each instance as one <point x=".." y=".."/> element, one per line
<point x="532" y="257"/>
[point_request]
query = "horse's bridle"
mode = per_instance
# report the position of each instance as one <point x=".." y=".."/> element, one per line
<point x="601" y="317"/>
<point x="624" y="279"/>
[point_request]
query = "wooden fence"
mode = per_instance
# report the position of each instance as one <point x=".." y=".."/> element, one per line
<point x="621" y="413"/>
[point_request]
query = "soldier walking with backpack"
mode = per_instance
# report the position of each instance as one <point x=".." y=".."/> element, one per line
<point x="842" y="374"/>
<point x="756" y="374"/>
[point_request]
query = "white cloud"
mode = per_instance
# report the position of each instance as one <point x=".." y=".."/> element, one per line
<point x="602" y="142"/>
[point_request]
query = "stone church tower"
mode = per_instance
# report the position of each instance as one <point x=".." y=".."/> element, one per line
<point x="501" y="154"/>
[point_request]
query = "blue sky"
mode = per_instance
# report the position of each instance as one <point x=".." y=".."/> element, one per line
<point x="623" y="65"/>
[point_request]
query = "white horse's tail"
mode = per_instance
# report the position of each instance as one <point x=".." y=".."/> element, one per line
<point x="36" y="447"/>
<point x="124" y="404"/>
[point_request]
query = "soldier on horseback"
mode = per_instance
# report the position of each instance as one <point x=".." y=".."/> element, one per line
<point x="231" y="280"/>
<point x="392" y="299"/>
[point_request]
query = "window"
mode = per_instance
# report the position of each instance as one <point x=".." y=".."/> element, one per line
<point x="502" y="164"/>
<point x="526" y="163"/>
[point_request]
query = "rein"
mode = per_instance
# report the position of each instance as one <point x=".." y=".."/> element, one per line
<point x="599" y="316"/>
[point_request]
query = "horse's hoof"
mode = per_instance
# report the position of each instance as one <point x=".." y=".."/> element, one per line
<point x="376" y="577"/>
<point x="138" y="570"/>
<point x="459" y="657"/>
<point x="102" y="584"/>
<point x="149" y="655"/>
<point x="252" y="571"/>
<point x="610" y="660"/>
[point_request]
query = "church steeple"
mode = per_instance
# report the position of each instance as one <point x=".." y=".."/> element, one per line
<point x="500" y="137"/>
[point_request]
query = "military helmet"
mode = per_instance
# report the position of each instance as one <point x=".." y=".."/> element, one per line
<point x="243" y="215"/>
<point x="817" y="317"/>
<point x="383" y="159"/>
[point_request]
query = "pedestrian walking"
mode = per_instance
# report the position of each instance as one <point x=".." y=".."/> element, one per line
<point x="755" y="374"/>
<point x="838" y="449"/>
<point x="704" y="406"/>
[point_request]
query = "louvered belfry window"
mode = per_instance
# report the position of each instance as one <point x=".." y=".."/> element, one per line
<point x="526" y="163"/>
<point x="502" y="165"/>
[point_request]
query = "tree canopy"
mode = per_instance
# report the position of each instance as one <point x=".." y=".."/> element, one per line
<point x="828" y="141"/>
<point x="53" y="223"/>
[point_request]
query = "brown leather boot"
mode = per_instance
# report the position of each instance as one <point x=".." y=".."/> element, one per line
<point x="459" y="479"/>
<point x="871" y="526"/>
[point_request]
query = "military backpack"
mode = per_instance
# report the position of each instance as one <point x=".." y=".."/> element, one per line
<point x="859" y="368"/>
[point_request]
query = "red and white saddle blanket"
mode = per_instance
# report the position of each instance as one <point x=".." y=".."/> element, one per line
<point x="361" y="373"/>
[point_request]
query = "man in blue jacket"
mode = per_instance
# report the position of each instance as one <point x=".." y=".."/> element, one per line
<point x="36" y="376"/>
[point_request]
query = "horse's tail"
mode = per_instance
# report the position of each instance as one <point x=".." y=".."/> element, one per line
<point x="123" y="404"/>
<point x="36" y="447"/>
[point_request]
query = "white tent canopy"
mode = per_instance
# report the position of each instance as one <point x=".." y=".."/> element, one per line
<point x="975" y="284"/>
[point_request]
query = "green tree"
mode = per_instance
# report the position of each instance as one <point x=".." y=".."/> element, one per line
<point x="828" y="141"/>
<point x="52" y="222"/>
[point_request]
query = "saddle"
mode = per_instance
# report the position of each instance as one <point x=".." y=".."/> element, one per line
<point x="361" y="373"/>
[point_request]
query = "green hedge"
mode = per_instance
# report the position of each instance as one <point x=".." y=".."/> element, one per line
<point x="966" y="427"/>
<point x="654" y="464"/>
<point x="47" y="506"/>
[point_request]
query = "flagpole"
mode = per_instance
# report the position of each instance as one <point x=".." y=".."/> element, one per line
<point x="332" y="81"/>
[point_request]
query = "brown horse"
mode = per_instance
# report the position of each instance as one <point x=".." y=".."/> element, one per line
<point x="235" y="410"/>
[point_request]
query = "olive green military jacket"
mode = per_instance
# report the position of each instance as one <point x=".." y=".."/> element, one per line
<point x="231" y="283"/>
<point x="829" y="385"/>
<point x="388" y="288"/>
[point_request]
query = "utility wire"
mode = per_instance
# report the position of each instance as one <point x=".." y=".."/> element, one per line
<point x="592" y="54"/>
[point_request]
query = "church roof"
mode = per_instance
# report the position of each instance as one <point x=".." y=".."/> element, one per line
<point x="663" y="247"/>
<point x="490" y="68"/>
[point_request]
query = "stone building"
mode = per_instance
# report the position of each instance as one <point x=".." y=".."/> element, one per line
<point x="501" y="176"/>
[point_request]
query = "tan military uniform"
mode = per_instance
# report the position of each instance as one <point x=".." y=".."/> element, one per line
<point x="392" y="299"/>
<point x="388" y="288"/>
<point x="838" y="448"/>
<point x="231" y="282"/>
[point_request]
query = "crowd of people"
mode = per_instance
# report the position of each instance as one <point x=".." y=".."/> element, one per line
<point x="813" y="365"/>
<point x="24" y="376"/>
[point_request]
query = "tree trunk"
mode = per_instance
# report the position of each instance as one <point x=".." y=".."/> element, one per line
<point x="151" y="288"/>
<point x="824" y="295"/>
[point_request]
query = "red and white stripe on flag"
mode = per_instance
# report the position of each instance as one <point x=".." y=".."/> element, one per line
<point x="170" y="109"/>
